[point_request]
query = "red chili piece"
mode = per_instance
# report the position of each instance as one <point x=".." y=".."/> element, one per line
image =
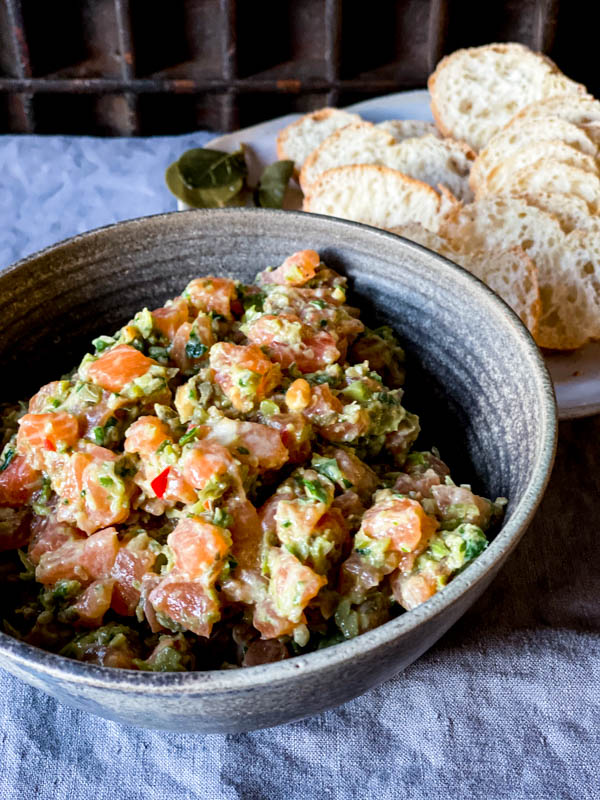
<point x="49" y="445"/>
<point x="159" y="484"/>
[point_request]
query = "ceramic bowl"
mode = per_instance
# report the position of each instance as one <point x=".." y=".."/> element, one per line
<point x="474" y="376"/>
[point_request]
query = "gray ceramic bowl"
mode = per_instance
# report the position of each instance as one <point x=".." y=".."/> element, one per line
<point x="475" y="376"/>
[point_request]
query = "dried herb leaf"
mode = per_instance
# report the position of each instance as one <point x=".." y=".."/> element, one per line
<point x="273" y="183"/>
<point x="202" y="168"/>
<point x="207" y="178"/>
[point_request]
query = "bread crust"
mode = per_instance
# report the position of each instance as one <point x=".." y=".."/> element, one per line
<point x="405" y="191"/>
<point x="331" y="142"/>
<point x="568" y="264"/>
<point x="319" y="115"/>
<point x="427" y="158"/>
<point x="489" y="266"/>
<point x="447" y="122"/>
<point x="530" y="133"/>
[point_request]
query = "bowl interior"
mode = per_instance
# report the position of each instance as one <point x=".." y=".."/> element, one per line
<point x="474" y="376"/>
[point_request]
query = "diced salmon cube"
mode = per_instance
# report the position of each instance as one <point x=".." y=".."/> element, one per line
<point x="18" y="482"/>
<point x="118" y="366"/>
<point x="212" y="294"/>
<point x="170" y="317"/>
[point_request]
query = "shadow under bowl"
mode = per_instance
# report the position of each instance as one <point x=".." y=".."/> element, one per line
<point x="475" y="377"/>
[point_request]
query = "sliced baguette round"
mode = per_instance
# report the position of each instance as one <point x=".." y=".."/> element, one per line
<point x="500" y="179"/>
<point x="569" y="284"/>
<point x="378" y="196"/>
<point x="297" y="141"/>
<point x="402" y="129"/>
<point x="554" y="177"/>
<point x="580" y="109"/>
<point x="427" y="158"/>
<point x="571" y="301"/>
<point x="571" y="212"/>
<point x="475" y="92"/>
<point x="528" y="133"/>
<point x="359" y="143"/>
<point x="511" y="273"/>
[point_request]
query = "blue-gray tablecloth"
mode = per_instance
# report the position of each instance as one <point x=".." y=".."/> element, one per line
<point x="506" y="705"/>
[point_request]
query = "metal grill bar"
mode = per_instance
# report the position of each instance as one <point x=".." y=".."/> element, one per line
<point x="333" y="38"/>
<point x="436" y="33"/>
<point x="127" y="67"/>
<point x="229" y="115"/>
<point x="20" y="104"/>
<point x="192" y="86"/>
<point x="546" y="19"/>
<point x="131" y="122"/>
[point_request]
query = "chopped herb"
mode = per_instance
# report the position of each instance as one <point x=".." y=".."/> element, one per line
<point x="318" y="303"/>
<point x="286" y="524"/>
<point x="102" y="343"/>
<point x="328" y="467"/>
<point x="9" y="454"/>
<point x="98" y="435"/>
<point x="315" y="489"/>
<point x="318" y="378"/>
<point x="105" y="481"/>
<point x="244" y="451"/>
<point x="189" y="436"/>
<point x="249" y="297"/>
<point x="222" y="518"/>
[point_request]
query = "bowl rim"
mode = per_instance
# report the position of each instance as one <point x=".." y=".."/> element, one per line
<point x="208" y="682"/>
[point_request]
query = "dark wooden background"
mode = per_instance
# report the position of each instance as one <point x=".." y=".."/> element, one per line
<point x="124" y="67"/>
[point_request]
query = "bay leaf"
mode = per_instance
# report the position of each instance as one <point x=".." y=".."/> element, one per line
<point x="215" y="196"/>
<point x="203" y="168"/>
<point x="273" y="183"/>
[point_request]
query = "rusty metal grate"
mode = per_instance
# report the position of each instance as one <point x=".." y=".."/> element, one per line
<point x="124" y="67"/>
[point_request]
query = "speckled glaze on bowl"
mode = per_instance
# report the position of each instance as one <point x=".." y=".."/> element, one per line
<point x="475" y="376"/>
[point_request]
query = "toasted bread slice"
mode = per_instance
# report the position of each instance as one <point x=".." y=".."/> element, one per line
<point x="361" y="143"/>
<point x="571" y="212"/>
<point x="510" y="273"/>
<point x="402" y="129"/>
<point x="542" y="154"/>
<point x="529" y="133"/>
<point x="554" y="177"/>
<point x="427" y="158"/>
<point x="378" y="196"/>
<point x="297" y="141"/>
<point x="579" y="109"/>
<point x="477" y="91"/>
<point x="568" y="264"/>
<point x="571" y="300"/>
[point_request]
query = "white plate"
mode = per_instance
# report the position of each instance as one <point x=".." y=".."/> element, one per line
<point x="576" y="375"/>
